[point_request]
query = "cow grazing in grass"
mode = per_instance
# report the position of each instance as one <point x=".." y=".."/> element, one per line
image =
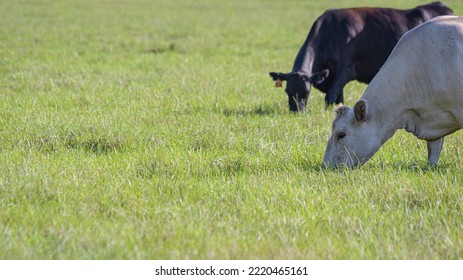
<point x="349" y="44"/>
<point x="419" y="89"/>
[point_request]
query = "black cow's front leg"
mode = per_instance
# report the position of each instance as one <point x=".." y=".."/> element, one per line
<point x="335" y="93"/>
<point x="334" y="96"/>
<point x="340" y="98"/>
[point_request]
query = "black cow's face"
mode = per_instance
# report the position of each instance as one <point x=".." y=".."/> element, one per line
<point x="298" y="90"/>
<point x="298" y="86"/>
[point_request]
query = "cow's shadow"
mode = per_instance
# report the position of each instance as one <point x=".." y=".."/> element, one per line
<point x="255" y="111"/>
<point x="412" y="167"/>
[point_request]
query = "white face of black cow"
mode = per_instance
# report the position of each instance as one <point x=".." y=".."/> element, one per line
<point x="354" y="139"/>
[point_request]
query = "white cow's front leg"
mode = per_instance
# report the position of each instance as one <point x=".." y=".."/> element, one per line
<point x="434" y="149"/>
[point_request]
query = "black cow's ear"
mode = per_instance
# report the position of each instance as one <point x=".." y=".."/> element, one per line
<point x="273" y="75"/>
<point x="278" y="76"/>
<point x="319" y="77"/>
<point x="361" y="110"/>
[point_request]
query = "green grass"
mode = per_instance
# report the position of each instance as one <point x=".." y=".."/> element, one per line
<point x="151" y="130"/>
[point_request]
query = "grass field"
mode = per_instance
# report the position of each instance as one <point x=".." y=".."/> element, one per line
<point x="151" y="130"/>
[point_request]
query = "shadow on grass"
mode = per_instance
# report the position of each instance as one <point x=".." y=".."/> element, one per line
<point x="172" y="47"/>
<point x="93" y="142"/>
<point x="414" y="167"/>
<point x="98" y="144"/>
<point x="417" y="167"/>
<point x="257" y="111"/>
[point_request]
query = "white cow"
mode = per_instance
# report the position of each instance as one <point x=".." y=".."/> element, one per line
<point x="419" y="89"/>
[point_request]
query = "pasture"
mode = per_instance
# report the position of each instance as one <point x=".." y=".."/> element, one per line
<point x="151" y="130"/>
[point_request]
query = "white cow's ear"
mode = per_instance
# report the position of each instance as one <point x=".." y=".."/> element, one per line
<point x="361" y="110"/>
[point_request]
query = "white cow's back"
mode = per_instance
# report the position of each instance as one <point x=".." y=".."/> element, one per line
<point x="425" y="70"/>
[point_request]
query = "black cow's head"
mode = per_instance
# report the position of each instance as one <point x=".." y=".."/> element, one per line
<point x="298" y="86"/>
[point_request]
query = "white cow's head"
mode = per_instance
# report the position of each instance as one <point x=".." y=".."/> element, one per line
<point x="354" y="138"/>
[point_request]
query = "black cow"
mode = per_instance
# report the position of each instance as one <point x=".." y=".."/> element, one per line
<point x="349" y="44"/>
